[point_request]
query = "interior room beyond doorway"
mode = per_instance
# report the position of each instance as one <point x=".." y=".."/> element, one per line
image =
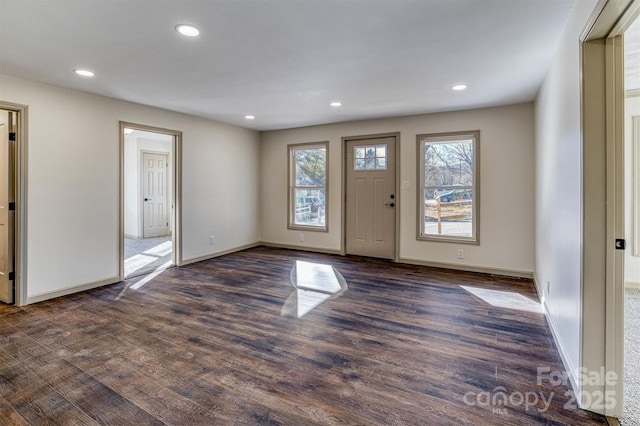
<point x="148" y="201"/>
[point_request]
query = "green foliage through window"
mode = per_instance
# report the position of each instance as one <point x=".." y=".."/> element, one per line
<point x="307" y="187"/>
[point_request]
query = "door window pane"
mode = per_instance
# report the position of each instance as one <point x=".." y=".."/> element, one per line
<point x="370" y="157"/>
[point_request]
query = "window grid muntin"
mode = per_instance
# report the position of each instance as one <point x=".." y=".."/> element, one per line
<point x="370" y="157"/>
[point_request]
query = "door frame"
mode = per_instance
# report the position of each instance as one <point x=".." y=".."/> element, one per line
<point x="176" y="194"/>
<point x="602" y="124"/>
<point x="344" y="140"/>
<point x="20" y="222"/>
<point x="141" y="177"/>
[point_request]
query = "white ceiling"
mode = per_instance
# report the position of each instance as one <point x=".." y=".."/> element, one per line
<point x="284" y="61"/>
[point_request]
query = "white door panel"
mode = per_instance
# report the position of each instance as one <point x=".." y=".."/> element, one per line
<point x="380" y="215"/>
<point x="155" y="221"/>
<point x="360" y="210"/>
<point x="370" y="197"/>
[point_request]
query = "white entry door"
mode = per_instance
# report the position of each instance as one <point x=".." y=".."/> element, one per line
<point x="155" y="218"/>
<point x="7" y="138"/>
<point x="371" y="199"/>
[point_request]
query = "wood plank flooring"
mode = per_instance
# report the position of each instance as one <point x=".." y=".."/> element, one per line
<point x="207" y="344"/>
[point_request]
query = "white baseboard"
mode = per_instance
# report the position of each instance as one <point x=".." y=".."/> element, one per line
<point x="469" y="268"/>
<point x="454" y="266"/>
<point x="40" y="297"/>
<point x="566" y="361"/>
<point x="300" y="248"/>
<point x="631" y="284"/>
<point x="539" y="289"/>
<point x="218" y="254"/>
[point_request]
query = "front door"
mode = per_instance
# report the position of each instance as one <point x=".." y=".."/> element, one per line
<point x="7" y="139"/>
<point x="370" y="197"/>
<point x="155" y="218"/>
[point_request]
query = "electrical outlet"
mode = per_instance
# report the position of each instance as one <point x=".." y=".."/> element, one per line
<point x="212" y="239"/>
<point x="301" y="238"/>
<point x="460" y="253"/>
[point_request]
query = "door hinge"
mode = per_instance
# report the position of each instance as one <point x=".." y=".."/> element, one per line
<point x="621" y="244"/>
<point x="12" y="276"/>
<point x="12" y="206"/>
<point x="12" y="136"/>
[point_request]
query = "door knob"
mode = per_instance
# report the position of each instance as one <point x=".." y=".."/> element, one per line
<point x="390" y="204"/>
<point x="147" y="199"/>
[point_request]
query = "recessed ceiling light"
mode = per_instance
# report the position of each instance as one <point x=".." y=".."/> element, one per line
<point x="250" y="117"/>
<point x="187" y="30"/>
<point x="336" y="104"/>
<point x="459" y="87"/>
<point x="84" y="73"/>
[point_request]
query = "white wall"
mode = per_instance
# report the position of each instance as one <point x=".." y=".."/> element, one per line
<point x="507" y="186"/>
<point x="631" y="263"/>
<point x="72" y="201"/>
<point x="559" y="188"/>
<point x="131" y="187"/>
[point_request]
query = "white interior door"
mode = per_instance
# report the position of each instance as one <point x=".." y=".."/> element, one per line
<point x="6" y="212"/>
<point x="155" y="217"/>
<point x="371" y="200"/>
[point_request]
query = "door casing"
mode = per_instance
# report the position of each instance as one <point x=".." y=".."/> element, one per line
<point x="398" y="197"/>
<point x="20" y="195"/>
<point x="7" y="293"/>
<point x="602" y="104"/>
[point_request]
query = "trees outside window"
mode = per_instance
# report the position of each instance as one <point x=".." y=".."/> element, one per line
<point x="308" y="186"/>
<point x="448" y="175"/>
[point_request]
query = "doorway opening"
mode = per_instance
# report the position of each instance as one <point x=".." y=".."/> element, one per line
<point x="371" y="195"/>
<point x="631" y="42"/>
<point x="150" y="199"/>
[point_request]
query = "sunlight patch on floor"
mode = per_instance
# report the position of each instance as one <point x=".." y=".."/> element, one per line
<point x="142" y="256"/>
<point x="161" y="249"/>
<point x="314" y="284"/>
<point x="145" y="279"/>
<point x="137" y="283"/>
<point x="505" y="299"/>
<point x="136" y="262"/>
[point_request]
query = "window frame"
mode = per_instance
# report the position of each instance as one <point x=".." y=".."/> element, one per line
<point x="291" y="187"/>
<point x="421" y="141"/>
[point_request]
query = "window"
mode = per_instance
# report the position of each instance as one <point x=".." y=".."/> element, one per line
<point x="308" y="186"/>
<point x="448" y="202"/>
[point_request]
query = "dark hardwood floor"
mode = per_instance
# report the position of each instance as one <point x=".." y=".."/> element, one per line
<point x="208" y="344"/>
